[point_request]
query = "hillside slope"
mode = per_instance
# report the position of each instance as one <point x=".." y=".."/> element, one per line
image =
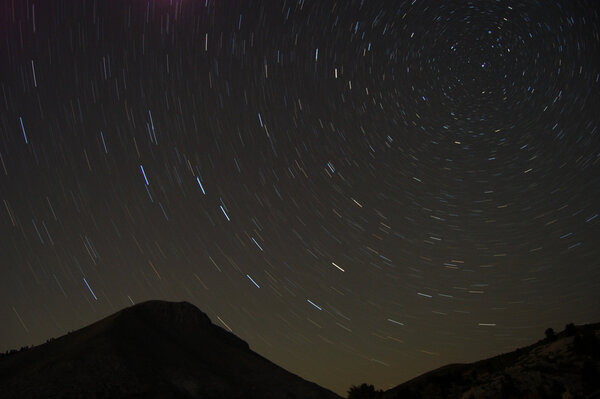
<point x="152" y="350"/>
<point x="565" y="365"/>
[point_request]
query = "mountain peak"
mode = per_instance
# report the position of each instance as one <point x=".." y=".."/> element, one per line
<point x="179" y="313"/>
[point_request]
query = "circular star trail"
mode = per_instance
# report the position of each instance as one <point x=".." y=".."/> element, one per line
<point x="362" y="190"/>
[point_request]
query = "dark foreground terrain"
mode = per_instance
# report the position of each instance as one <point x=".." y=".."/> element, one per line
<point x="562" y="366"/>
<point x="152" y="350"/>
<point x="172" y="350"/>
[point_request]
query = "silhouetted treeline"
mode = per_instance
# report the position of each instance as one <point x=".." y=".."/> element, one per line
<point x="13" y="351"/>
<point x="364" y="391"/>
<point x="22" y="349"/>
<point x="585" y="341"/>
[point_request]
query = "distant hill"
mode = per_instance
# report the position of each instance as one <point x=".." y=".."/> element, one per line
<point x="562" y="366"/>
<point x="152" y="350"/>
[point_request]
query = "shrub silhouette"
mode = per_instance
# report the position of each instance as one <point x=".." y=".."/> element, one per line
<point x="364" y="391"/>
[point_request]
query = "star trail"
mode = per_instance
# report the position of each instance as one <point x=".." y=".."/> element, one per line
<point x="362" y="190"/>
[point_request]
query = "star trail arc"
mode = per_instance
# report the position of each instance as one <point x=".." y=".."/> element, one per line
<point x="332" y="181"/>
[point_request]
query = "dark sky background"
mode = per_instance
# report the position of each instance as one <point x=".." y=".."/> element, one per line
<point x="362" y="190"/>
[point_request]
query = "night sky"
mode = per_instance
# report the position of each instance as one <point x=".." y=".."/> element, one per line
<point x="362" y="190"/>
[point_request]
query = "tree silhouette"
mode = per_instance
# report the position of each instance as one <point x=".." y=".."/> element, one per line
<point x="550" y="336"/>
<point x="364" y="391"/>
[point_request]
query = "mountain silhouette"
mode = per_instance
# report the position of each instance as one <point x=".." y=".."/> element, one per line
<point x="155" y="349"/>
